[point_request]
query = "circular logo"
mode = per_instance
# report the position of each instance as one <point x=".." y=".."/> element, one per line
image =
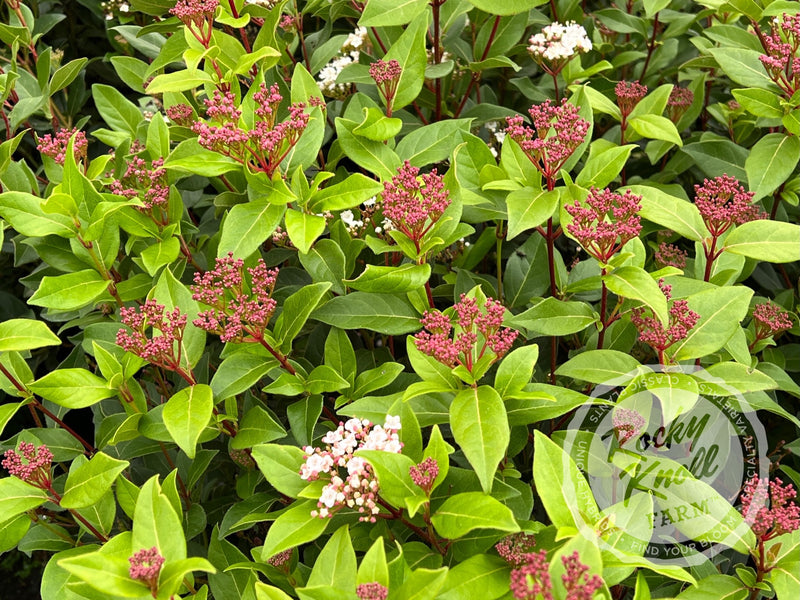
<point x="665" y="451"/>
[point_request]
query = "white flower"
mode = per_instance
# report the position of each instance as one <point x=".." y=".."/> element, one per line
<point x="557" y="41"/>
<point x="392" y="422"/>
<point x="370" y="202"/>
<point x="355" y="40"/>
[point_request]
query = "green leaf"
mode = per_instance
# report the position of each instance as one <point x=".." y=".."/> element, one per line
<point x="191" y="157"/>
<point x="159" y="254"/>
<point x="391" y="280"/>
<point x="247" y="226"/>
<point x="516" y="370"/>
<point x="16" y="497"/>
<point x="174" y="573"/>
<point x="347" y="194"/>
<point x="339" y="354"/>
<point x="483" y="572"/>
<point x="681" y="216"/>
<point x="555" y="317"/>
<point x="506" y="7"/>
<point x="72" y="388"/>
<point x="173" y="294"/>
<point x="721" y="310"/>
<point x="71" y="291"/>
<point x="603" y="165"/>
<point x="117" y="111"/>
<point x="600" y="366"/>
<point x="529" y="208"/>
<point x="758" y="102"/>
<point x="378" y="127"/>
<point x="292" y="528"/>
<point x="393" y="474"/>
<point x="656" y="127"/>
<point x="281" y="467"/>
<point x="637" y="284"/>
<point x="239" y="372"/>
<point x="375" y="157"/>
<point x="716" y="156"/>
<point x="564" y="492"/>
<point x="179" y="81"/>
<point x="24" y="213"/>
<point x="268" y="592"/>
<point x="324" y="379"/>
<point x="326" y="262"/>
<point x="480" y="428"/>
<point x="383" y="313"/>
<point x="336" y="564"/>
<point x="296" y="310"/>
<point x="742" y="66"/>
<point x="155" y="523"/>
<point x="409" y="51"/>
<point x="422" y="584"/>
<point x="256" y="427"/>
<point x="431" y="143"/>
<point x="382" y="13"/>
<point x="771" y="161"/>
<point x="107" y="574"/>
<point x="303" y="228"/>
<point x="373" y="567"/>
<point x="91" y="480"/>
<point x="770" y="241"/>
<point x="25" y="334"/>
<point x="66" y="74"/>
<point x="186" y="414"/>
<point x="461" y="513"/>
<point x="785" y="579"/>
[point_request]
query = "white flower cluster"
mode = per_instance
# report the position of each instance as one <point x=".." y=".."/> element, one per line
<point x="349" y="54"/>
<point x="358" y="488"/>
<point x="499" y="136"/>
<point x="557" y="41"/>
<point x="114" y="6"/>
<point x="353" y="225"/>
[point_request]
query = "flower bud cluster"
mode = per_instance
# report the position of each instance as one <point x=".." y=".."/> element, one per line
<point x="680" y="99"/>
<point x="387" y="78"/>
<point x="146" y="567"/>
<point x="605" y="222"/>
<point x="627" y="423"/>
<point x="241" y="298"/>
<point x="161" y="350"/>
<point x="768" y="508"/>
<point x="557" y="132"/>
<point x="281" y="559"/>
<point x="473" y="325"/>
<point x="413" y="203"/>
<point x="530" y="579"/>
<point x="770" y="319"/>
<point x="653" y="333"/>
<point x="669" y="255"/>
<point x="780" y="46"/>
<point x="265" y="145"/>
<point x="55" y="146"/>
<point x="372" y="591"/>
<point x="31" y="464"/>
<point x="629" y="93"/>
<point x="180" y="114"/>
<point x="515" y="548"/>
<point x="424" y="474"/>
<point x="198" y="16"/>
<point x="351" y="480"/>
<point x="723" y="202"/>
<point x="145" y="182"/>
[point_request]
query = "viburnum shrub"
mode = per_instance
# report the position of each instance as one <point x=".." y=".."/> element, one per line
<point x="329" y="299"/>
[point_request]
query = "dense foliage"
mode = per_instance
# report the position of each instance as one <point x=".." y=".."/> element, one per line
<point x="334" y="299"/>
